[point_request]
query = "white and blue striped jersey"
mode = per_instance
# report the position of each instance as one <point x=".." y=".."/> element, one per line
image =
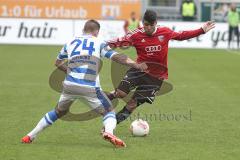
<point x="83" y="54"/>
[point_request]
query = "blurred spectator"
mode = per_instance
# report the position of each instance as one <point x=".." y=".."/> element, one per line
<point x="220" y="12"/>
<point x="132" y="23"/>
<point x="225" y="9"/>
<point x="233" y="21"/>
<point x="188" y="10"/>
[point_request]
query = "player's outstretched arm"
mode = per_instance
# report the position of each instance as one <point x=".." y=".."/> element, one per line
<point x="60" y="64"/>
<point x="123" y="59"/>
<point x="184" y="35"/>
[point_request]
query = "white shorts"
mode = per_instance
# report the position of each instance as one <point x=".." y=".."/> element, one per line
<point x="95" y="97"/>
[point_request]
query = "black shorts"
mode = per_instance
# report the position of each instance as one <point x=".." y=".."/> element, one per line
<point x="146" y="86"/>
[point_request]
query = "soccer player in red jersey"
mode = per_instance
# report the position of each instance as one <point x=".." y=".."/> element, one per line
<point x="151" y="43"/>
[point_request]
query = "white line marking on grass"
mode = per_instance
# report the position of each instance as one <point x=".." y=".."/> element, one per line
<point x="233" y="51"/>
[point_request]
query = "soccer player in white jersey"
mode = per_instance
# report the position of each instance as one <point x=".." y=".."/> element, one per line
<point x="83" y="55"/>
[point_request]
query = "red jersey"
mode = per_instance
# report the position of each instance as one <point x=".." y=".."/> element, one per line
<point x="153" y="49"/>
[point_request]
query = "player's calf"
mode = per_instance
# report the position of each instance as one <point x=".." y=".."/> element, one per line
<point x="47" y="120"/>
<point x="136" y="101"/>
<point x="126" y="111"/>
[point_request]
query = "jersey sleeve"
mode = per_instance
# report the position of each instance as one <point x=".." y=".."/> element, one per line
<point x="184" y="35"/>
<point x="63" y="53"/>
<point x="121" y="41"/>
<point x="106" y="51"/>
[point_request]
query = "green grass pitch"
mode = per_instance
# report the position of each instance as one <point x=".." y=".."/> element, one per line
<point x="202" y="112"/>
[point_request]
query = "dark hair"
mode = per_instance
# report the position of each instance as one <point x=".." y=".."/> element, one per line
<point x="91" y="26"/>
<point x="150" y="16"/>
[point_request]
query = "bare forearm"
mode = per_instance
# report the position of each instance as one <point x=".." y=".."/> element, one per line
<point x="125" y="60"/>
<point x="63" y="68"/>
<point x="61" y="65"/>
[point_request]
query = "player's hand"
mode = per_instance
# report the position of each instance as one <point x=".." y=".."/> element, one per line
<point x="208" y="26"/>
<point x="142" y="66"/>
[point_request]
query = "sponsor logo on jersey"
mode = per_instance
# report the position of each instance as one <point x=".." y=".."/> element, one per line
<point x="153" y="48"/>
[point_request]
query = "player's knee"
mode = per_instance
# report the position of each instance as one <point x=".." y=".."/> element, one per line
<point x="120" y="94"/>
<point x="132" y="105"/>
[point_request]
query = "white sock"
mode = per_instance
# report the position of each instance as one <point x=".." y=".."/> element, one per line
<point x="46" y="121"/>
<point x="110" y="122"/>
